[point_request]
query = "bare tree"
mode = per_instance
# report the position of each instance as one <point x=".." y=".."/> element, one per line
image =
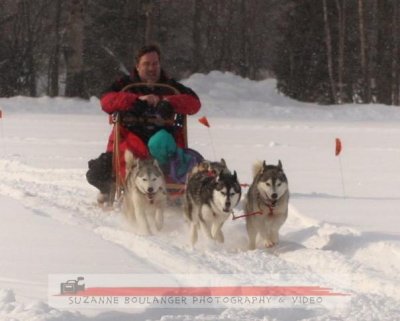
<point x="73" y="49"/>
<point x="27" y="22"/>
<point x="395" y="54"/>
<point x="244" y="44"/>
<point x="196" y="34"/>
<point x="148" y="9"/>
<point x="341" y="9"/>
<point x="328" y="42"/>
<point x="373" y="49"/>
<point x="363" y="54"/>
<point x="53" y="77"/>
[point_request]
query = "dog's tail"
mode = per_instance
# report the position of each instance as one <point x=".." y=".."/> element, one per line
<point x="257" y="167"/>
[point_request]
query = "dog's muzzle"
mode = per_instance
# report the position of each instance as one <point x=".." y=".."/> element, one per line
<point x="274" y="199"/>
<point x="227" y="208"/>
<point x="150" y="193"/>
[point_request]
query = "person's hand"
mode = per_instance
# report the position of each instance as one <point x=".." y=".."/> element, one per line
<point x="165" y="110"/>
<point x="152" y="100"/>
<point x="139" y="108"/>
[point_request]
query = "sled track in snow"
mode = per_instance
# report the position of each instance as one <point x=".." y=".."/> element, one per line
<point x="309" y="249"/>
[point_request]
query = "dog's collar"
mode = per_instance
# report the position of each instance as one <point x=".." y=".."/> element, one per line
<point x="266" y="201"/>
<point x="211" y="173"/>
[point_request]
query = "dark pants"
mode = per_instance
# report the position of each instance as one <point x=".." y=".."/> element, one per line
<point x="100" y="172"/>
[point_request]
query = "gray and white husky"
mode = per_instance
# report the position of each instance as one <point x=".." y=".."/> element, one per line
<point x="145" y="197"/>
<point x="267" y="203"/>
<point x="212" y="168"/>
<point x="209" y="200"/>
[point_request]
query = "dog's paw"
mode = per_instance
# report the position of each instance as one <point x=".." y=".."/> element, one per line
<point x="194" y="234"/>
<point x="143" y="231"/>
<point x="219" y="237"/>
<point x="275" y="238"/>
<point x="159" y="223"/>
<point x="252" y="247"/>
<point x="269" y="244"/>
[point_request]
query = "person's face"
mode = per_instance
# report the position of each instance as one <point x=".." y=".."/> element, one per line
<point x="149" y="67"/>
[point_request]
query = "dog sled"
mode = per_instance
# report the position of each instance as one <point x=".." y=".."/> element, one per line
<point x="175" y="189"/>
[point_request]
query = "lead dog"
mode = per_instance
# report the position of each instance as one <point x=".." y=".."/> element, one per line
<point x="209" y="200"/>
<point x="145" y="196"/>
<point x="267" y="203"/>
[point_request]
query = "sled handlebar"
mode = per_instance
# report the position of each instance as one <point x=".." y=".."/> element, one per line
<point x="150" y="119"/>
<point x="144" y="84"/>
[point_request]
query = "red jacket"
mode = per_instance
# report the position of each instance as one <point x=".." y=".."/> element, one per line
<point x="114" y="99"/>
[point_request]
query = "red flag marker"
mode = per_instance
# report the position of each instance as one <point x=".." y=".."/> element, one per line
<point x="338" y="147"/>
<point x="338" y="150"/>
<point x="203" y="120"/>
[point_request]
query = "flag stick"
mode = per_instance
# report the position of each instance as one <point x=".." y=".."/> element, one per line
<point x="341" y="174"/>
<point x="212" y="144"/>
<point x="204" y="121"/>
<point x="338" y="150"/>
<point x="2" y="131"/>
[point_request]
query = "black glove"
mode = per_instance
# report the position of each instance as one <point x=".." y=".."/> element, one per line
<point x="138" y="108"/>
<point x="165" y="110"/>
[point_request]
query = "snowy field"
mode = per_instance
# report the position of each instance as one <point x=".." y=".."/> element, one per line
<point x="49" y="223"/>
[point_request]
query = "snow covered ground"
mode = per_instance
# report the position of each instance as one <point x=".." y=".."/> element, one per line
<point x="49" y="223"/>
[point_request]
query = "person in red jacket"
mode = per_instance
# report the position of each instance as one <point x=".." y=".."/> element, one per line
<point x="143" y="139"/>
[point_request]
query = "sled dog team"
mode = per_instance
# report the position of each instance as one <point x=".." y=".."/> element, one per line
<point x="212" y="192"/>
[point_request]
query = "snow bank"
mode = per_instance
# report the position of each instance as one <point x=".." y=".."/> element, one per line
<point x="50" y="225"/>
<point x="48" y="105"/>
<point x="223" y="95"/>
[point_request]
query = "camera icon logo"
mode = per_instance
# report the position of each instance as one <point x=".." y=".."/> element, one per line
<point x="72" y="286"/>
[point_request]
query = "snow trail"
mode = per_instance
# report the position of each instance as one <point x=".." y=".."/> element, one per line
<point x="47" y="142"/>
<point x="327" y="247"/>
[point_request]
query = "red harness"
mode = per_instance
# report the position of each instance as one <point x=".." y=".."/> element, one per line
<point x="271" y="212"/>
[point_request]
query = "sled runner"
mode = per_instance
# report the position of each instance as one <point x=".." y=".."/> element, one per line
<point x="178" y="121"/>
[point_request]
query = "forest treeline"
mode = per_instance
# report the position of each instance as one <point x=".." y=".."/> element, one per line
<point x="324" y="51"/>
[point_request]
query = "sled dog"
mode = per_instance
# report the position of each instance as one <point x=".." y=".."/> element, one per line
<point x="212" y="168"/>
<point x="267" y="203"/>
<point x="145" y="196"/>
<point x="209" y="200"/>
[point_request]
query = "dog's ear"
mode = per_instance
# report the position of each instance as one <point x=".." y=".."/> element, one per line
<point x="264" y="166"/>
<point x="130" y="160"/>
<point x="279" y="164"/>
<point x="155" y="163"/>
<point x="236" y="186"/>
<point x="223" y="162"/>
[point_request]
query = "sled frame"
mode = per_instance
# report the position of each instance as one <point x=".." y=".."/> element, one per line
<point x="116" y="121"/>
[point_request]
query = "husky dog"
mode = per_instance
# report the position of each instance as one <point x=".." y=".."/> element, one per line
<point x="209" y="200"/>
<point x="267" y="201"/>
<point x="145" y="196"/>
<point x="212" y="168"/>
